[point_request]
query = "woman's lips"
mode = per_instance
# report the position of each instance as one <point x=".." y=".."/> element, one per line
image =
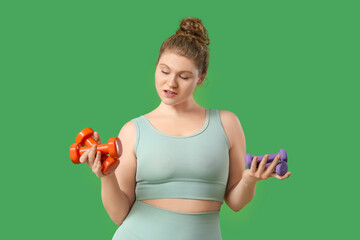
<point x="169" y="94"/>
<point x="170" y="91"/>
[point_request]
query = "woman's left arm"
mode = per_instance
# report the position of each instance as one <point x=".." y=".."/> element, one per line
<point x="242" y="183"/>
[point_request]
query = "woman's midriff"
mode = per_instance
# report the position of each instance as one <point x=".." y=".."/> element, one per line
<point x="185" y="205"/>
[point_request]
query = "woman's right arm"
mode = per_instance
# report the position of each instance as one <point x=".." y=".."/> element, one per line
<point x="115" y="201"/>
<point x="118" y="187"/>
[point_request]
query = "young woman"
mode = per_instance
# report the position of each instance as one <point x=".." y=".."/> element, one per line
<point x="181" y="160"/>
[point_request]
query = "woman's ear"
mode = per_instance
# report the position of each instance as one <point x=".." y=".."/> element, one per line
<point x="201" y="79"/>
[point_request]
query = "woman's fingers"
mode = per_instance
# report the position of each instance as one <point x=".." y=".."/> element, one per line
<point x="92" y="153"/>
<point x="270" y="169"/>
<point x="84" y="157"/>
<point x="262" y="173"/>
<point x="253" y="166"/>
<point x="97" y="137"/>
<point x="286" y="175"/>
<point x="97" y="165"/>
<point x="262" y="165"/>
<point x="93" y="158"/>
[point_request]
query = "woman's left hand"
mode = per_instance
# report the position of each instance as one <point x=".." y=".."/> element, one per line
<point x="261" y="173"/>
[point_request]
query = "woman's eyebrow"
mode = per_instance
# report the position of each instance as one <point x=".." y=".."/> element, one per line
<point x="170" y="68"/>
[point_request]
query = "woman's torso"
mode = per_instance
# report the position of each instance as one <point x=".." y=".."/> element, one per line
<point x="181" y="127"/>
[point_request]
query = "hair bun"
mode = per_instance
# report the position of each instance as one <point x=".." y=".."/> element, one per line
<point x="193" y="27"/>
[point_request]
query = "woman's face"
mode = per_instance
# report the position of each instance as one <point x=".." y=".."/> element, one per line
<point x="178" y="74"/>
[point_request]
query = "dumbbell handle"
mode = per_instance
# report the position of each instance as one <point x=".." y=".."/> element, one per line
<point x="90" y="141"/>
<point x="281" y="167"/>
<point x="270" y="157"/>
<point x="103" y="148"/>
<point x="282" y="153"/>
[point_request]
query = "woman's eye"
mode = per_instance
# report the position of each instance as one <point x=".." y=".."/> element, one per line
<point x="180" y="76"/>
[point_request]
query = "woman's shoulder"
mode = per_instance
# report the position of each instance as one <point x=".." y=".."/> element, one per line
<point x="128" y="129"/>
<point x="227" y="115"/>
<point x="231" y="124"/>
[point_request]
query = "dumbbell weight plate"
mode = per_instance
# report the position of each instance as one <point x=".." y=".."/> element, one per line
<point x="74" y="153"/>
<point x="115" y="147"/>
<point x="83" y="135"/>
<point x="109" y="165"/>
<point x="281" y="168"/>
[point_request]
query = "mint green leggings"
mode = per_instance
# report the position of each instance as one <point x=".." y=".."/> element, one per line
<point x="147" y="222"/>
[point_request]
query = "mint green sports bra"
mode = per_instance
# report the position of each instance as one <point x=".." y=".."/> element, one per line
<point x="194" y="166"/>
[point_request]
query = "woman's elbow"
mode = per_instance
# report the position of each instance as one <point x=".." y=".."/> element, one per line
<point x="117" y="222"/>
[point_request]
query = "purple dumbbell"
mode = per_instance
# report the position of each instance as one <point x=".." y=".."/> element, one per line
<point x="281" y="167"/>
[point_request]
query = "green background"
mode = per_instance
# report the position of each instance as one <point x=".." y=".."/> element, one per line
<point x="288" y="69"/>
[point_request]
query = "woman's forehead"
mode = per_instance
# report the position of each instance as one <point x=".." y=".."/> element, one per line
<point x="176" y="62"/>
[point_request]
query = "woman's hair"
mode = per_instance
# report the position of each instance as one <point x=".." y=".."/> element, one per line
<point x="190" y="40"/>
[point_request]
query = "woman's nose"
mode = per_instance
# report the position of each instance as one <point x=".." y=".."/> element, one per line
<point x="172" y="81"/>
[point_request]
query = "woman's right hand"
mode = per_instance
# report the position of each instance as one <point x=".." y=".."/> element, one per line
<point x="93" y="157"/>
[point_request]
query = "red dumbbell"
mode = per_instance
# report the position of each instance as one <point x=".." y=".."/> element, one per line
<point x="113" y="147"/>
